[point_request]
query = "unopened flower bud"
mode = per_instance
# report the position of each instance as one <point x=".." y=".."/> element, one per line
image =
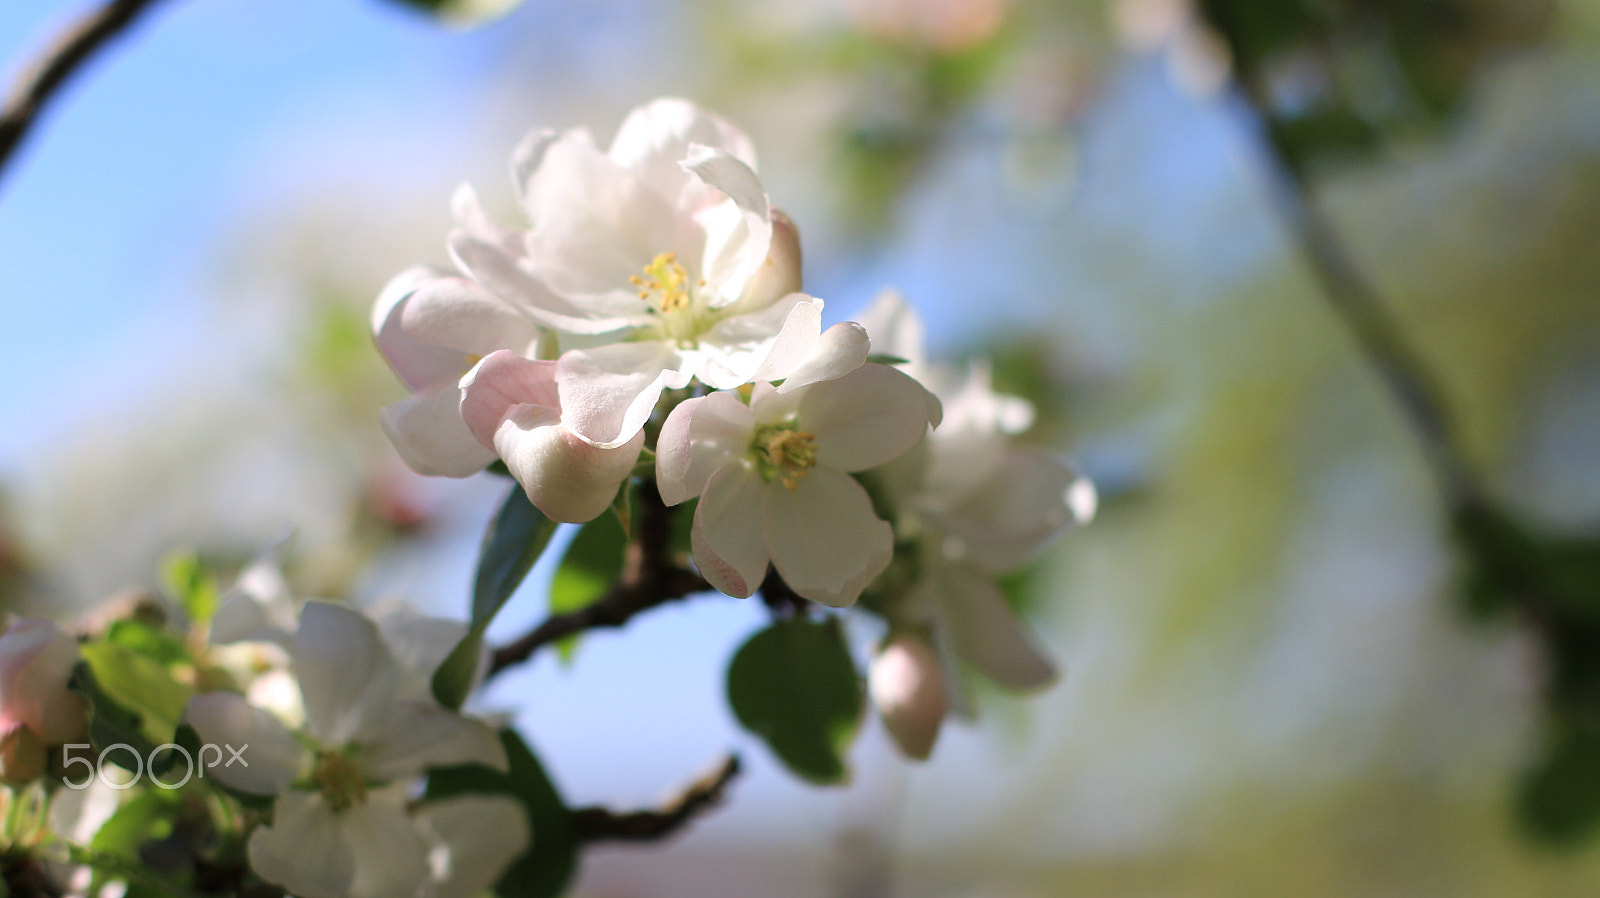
<point x="907" y="686"/>
<point x="36" y="660"/>
<point x="779" y="274"/>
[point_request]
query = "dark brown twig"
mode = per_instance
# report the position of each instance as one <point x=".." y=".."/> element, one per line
<point x="650" y="576"/>
<point x="591" y="825"/>
<point x="39" y="83"/>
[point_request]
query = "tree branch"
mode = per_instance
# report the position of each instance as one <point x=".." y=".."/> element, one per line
<point x="650" y="576"/>
<point x="593" y="824"/>
<point x="39" y="83"/>
<point x="1359" y="305"/>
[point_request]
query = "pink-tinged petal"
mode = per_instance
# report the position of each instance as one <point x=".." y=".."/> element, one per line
<point x="459" y="314"/>
<point x="511" y="277"/>
<point x="429" y="434"/>
<point x="481" y="836"/>
<point x="779" y="274"/>
<point x="1009" y="519"/>
<point x="568" y="479"/>
<point x="347" y="677"/>
<point x="269" y="756"/>
<point x="907" y="687"/>
<point x="607" y="393"/>
<point x="727" y="538"/>
<point x="36" y="660"/>
<point x="984" y="632"/>
<point x="422" y="733"/>
<point x="471" y="217"/>
<point x="896" y="328"/>
<point x="655" y="137"/>
<point x="699" y="437"/>
<point x="735" y="249"/>
<point x="391" y="859"/>
<point x="500" y="382"/>
<point x="824" y="538"/>
<point x="866" y="418"/>
<point x="304" y="849"/>
<point x="418" y="363"/>
<point x="839" y="350"/>
<point x="762" y="345"/>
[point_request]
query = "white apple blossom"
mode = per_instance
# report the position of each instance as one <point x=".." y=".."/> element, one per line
<point x="432" y="326"/>
<point x="36" y="707"/>
<point x="976" y="507"/>
<point x="773" y="478"/>
<point x="659" y="260"/>
<point x="906" y="682"/>
<point x="337" y="829"/>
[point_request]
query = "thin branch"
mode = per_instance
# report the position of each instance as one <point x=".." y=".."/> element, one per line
<point x="591" y="825"/>
<point x="650" y="576"/>
<point x="1362" y="309"/>
<point x="39" y="83"/>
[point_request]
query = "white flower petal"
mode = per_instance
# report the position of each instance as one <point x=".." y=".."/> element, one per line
<point x="729" y="546"/>
<point x="735" y="254"/>
<point x="839" y="350"/>
<point x="896" y="329"/>
<point x="471" y="217"/>
<point x="418" y="644"/>
<point x="347" y="676"/>
<point x="698" y="437"/>
<point x="1010" y="518"/>
<point x="762" y="345"/>
<point x="422" y="733"/>
<point x="480" y="836"/>
<point x="569" y="480"/>
<point x="779" y="274"/>
<point x="391" y="859"/>
<point x="984" y="632"/>
<point x="866" y="418"/>
<point x="36" y="661"/>
<point x="431" y="438"/>
<point x="304" y="849"/>
<point x="607" y="393"/>
<point x="504" y="274"/>
<point x="824" y="538"/>
<point x="418" y="363"/>
<point x="456" y="313"/>
<point x="655" y="137"/>
<point x="269" y="756"/>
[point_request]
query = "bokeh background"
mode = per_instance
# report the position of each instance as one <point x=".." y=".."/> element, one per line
<point x="1272" y="686"/>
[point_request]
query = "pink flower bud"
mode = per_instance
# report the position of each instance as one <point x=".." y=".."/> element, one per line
<point x="907" y="686"/>
<point x="36" y="659"/>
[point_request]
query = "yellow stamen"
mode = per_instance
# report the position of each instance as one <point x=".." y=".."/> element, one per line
<point x="790" y="453"/>
<point x="341" y="782"/>
<point x="664" y="284"/>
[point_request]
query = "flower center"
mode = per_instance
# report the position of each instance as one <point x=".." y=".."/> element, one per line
<point x="666" y="288"/>
<point x="340" y="780"/>
<point x="785" y="453"/>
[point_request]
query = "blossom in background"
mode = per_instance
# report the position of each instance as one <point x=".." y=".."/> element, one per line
<point x="37" y="709"/>
<point x="976" y="507"/>
<point x="341" y="825"/>
<point x="773" y="478"/>
<point x="906" y="682"/>
<point x="432" y="327"/>
<point x="658" y="261"/>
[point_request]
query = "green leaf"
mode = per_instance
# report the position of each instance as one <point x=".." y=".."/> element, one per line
<point x="545" y="869"/>
<point x="465" y="12"/>
<point x="141" y="684"/>
<point x="513" y="542"/>
<point x="192" y="586"/>
<point x="883" y="358"/>
<point x="795" y="685"/>
<point x="1558" y="801"/>
<point x="146" y="817"/>
<point x="590" y="567"/>
<point x="156" y="643"/>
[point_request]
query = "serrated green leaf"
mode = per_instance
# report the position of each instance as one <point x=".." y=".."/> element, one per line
<point x="795" y="685"/>
<point x="515" y="539"/>
<point x="589" y="568"/>
<point x="545" y="869"/>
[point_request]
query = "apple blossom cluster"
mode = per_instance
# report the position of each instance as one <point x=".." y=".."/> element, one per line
<point x="295" y="759"/>
<point x="647" y="325"/>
